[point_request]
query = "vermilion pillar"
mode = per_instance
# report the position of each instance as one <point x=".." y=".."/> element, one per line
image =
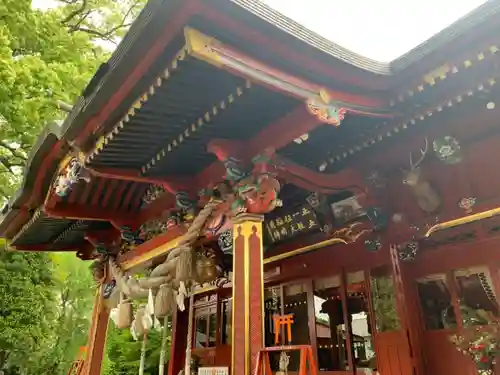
<point x="97" y="339"/>
<point x="248" y="294"/>
<point x="180" y="322"/>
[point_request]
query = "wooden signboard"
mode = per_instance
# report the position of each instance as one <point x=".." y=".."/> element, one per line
<point x="291" y="223"/>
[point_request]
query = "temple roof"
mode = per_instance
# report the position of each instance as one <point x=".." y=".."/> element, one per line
<point x="155" y="105"/>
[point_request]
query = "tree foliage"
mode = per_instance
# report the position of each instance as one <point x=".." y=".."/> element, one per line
<point x="26" y="308"/>
<point x="123" y="353"/>
<point x="74" y="291"/>
<point x="48" y="56"/>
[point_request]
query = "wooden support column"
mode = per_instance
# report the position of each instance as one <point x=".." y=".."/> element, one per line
<point x="180" y="321"/>
<point x="405" y="312"/>
<point x="248" y="294"/>
<point x="97" y="339"/>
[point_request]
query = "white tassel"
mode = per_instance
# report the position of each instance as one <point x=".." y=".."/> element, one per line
<point x="132" y="331"/>
<point x="147" y="322"/>
<point x="150" y="307"/>
<point x="113" y="314"/>
<point x="180" y="296"/>
<point x="156" y="324"/>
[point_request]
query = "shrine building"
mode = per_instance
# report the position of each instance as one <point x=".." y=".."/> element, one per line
<point x="291" y="205"/>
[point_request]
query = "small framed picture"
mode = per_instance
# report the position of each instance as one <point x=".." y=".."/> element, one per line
<point x="347" y="210"/>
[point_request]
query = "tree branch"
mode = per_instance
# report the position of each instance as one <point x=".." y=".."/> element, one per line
<point x="75" y="13"/>
<point x="106" y="35"/>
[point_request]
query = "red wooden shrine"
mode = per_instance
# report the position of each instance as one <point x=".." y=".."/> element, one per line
<point x="358" y="198"/>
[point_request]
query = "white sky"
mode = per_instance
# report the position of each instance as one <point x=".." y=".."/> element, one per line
<point x="379" y="29"/>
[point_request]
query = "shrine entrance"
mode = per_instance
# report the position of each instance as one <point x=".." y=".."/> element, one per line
<point x="393" y="348"/>
<point x="350" y="321"/>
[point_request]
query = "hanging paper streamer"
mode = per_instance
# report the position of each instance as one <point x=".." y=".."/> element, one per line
<point x="447" y="150"/>
<point x="150" y="307"/>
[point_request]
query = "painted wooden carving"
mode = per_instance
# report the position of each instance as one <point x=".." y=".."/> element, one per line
<point x="426" y="196"/>
<point x="153" y="193"/>
<point x="324" y="110"/>
<point x="352" y="232"/>
<point x="72" y="174"/>
<point x="246" y="189"/>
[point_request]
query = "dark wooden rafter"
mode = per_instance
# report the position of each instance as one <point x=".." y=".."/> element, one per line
<point x="76" y="224"/>
<point x="101" y="184"/>
<point x="158" y="82"/>
<point x="110" y="189"/>
<point x="227" y="58"/>
<point x="170" y="31"/>
<point x="205" y="119"/>
<point x="128" y="197"/>
<point x="119" y="195"/>
<point x="27" y="225"/>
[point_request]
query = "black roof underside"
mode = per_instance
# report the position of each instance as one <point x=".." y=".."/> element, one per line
<point x="58" y="232"/>
<point x="185" y="97"/>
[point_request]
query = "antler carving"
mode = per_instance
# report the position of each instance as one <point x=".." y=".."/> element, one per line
<point x="427" y="197"/>
<point x="423" y="153"/>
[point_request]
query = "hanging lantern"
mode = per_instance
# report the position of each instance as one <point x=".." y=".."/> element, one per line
<point x="447" y="150"/>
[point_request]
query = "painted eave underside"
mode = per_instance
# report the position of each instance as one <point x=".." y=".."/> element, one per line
<point x="149" y="25"/>
<point x="246" y="111"/>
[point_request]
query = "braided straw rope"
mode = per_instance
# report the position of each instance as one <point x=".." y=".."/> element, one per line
<point x="187" y="240"/>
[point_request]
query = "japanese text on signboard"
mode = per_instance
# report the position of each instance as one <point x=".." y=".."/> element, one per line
<point x="289" y="225"/>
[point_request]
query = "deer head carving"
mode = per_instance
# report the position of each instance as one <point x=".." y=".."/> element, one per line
<point x="427" y="197"/>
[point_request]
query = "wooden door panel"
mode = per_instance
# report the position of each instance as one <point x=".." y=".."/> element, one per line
<point x="393" y="354"/>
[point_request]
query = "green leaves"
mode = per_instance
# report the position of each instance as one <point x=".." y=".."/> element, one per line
<point x="46" y="56"/>
<point x="123" y="353"/>
<point x="26" y="305"/>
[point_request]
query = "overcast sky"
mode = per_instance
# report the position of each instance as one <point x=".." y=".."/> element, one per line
<point x="379" y="29"/>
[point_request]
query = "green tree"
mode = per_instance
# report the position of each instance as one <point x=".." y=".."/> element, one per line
<point x="46" y="57"/>
<point x="123" y="352"/>
<point x="26" y="308"/>
<point x="74" y="291"/>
